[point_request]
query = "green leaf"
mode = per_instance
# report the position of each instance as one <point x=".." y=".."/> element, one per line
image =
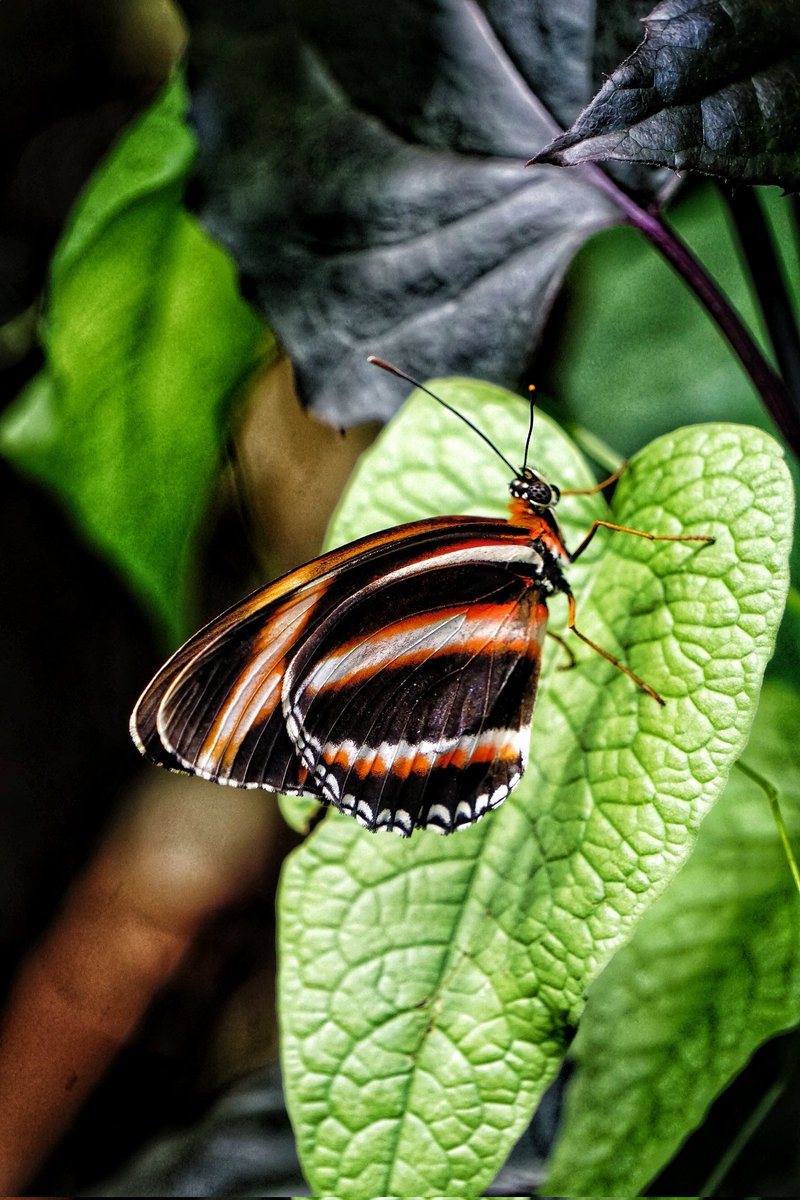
<point x="146" y="339"/>
<point x="298" y="811"/>
<point x="712" y="971"/>
<point x="600" y="374"/>
<point x="428" y="986"/>
<point x="713" y="87"/>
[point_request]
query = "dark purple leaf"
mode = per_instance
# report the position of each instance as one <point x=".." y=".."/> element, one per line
<point x="714" y="87"/>
<point x="364" y="167"/>
<point x="243" y="1146"/>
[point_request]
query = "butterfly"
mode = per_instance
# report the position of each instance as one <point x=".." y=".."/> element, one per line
<point x="393" y="678"/>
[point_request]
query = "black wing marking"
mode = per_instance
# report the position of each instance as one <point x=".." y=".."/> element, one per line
<point x="412" y="705"/>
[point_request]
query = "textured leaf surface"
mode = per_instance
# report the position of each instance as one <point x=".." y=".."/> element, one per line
<point x="367" y="177"/>
<point x="146" y="337"/>
<point x="714" y="87"/>
<point x="428" y="988"/>
<point x="713" y="969"/>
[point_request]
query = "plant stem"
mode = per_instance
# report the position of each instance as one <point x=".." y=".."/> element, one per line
<point x="794" y="208"/>
<point x="767" y="382"/>
<point x="751" y="1125"/>
<point x="594" y="446"/>
<point x="758" y="249"/>
<point x="771" y="793"/>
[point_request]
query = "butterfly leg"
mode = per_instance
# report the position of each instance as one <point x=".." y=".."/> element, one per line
<point x="651" y="537"/>
<point x="605" y="654"/>
<point x="564" y="666"/>
<point x="598" y="487"/>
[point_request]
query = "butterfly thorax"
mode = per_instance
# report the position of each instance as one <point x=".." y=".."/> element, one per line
<point x="531" y="507"/>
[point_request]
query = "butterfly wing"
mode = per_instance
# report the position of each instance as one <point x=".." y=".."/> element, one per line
<point x="411" y="705"/>
<point x="215" y="709"/>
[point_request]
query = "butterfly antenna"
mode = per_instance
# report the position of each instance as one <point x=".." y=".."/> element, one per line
<point x="531" y="389"/>
<point x="385" y="366"/>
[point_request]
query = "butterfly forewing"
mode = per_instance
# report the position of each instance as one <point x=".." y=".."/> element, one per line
<point x="222" y="715"/>
<point x="193" y="711"/>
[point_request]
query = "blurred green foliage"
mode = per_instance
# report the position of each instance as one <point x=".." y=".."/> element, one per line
<point x="147" y="340"/>
<point x="712" y="971"/>
<point x="635" y="354"/>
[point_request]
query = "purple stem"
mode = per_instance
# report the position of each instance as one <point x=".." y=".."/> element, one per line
<point x="767" y="382"/>
<point x="764" y="266"/>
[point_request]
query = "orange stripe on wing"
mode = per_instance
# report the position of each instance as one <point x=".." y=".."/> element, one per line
<point x="478" y="629"/>
<point x="256" y="692"/>
<point x="492" y="746"/>
<point x="421" y="764"/>
<point x="491" y="529"/>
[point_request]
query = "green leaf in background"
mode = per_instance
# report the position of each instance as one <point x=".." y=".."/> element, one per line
<point x="146" y="339"/>
<point x="634" y="353"/>
<point x="622" y="297"/>
<point x="427" y="987"/>
<point x="711" y="972"/>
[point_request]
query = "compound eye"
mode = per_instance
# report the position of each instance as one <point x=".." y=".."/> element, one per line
<point x="540" y="493"/>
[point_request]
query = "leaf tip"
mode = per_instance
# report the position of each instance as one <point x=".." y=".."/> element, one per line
<point x="552" y="154"/>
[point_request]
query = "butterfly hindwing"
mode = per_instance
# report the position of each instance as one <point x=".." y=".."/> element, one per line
<point x="411" y="705"/>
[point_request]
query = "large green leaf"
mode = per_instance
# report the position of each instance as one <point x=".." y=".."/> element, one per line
<point x="712" y="970"/>
<point x="429" y="987"/>
<point x="146" y="338"/>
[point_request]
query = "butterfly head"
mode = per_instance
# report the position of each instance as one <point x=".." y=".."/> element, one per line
<point x="533" y="489"/>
